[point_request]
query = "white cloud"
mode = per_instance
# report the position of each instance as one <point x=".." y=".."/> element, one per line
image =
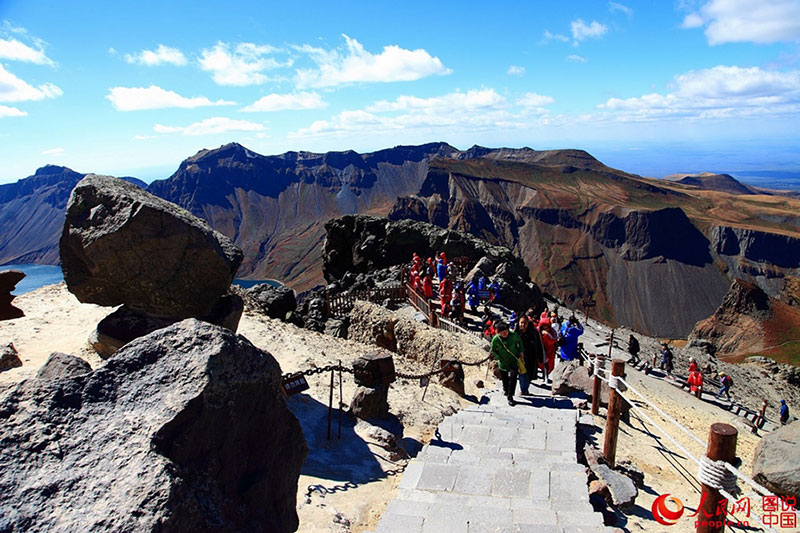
<point x="530" y="100"/>
<point x="14" y="89"/>
<point x="355" y="64"/>
<point x="6" y="111"/>
<point x="574" y="58"/>
<point x="14" y="50"/>
<point x="622" y="8"/>
<point x="721" y="91"/>
<point x="53" y="152"/>
<point x="243" y="65"/>
<point x="515" y="70"/>
<point x="154" y="97"/>
<point x="210" y="126"/>
<point x="162" y="55"/>
<point x="472" y="111"/>
<point x="293" y="101"/>
<point x="547" y="37"/>
<point x="581" y="30"/>
<point x="756" y="21"/>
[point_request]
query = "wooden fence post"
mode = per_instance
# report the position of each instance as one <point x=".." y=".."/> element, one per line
<point x="612" y="417"/>
<point x="599" y="362"/>
<point x="721" y="447"/>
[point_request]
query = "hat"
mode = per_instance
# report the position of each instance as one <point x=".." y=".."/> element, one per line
<point x="783" y="401"/>
<point x="500" y="325"/>
<point x="722" y="374"/>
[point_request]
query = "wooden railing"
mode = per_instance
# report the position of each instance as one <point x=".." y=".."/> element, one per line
<point x="452" y="327"/>
<point x="340" y="305"/>
<point x="422" y="304"/>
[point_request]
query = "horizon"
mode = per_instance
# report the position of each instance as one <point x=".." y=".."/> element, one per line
<point x="685" y="87"/>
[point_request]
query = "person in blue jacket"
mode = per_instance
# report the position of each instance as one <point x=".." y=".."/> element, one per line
<point x="482" y="282"/>
<point x="441" y="270"/>
<point x="784" y="413"/>
<point x="472" y="296"/>
<point x="570" y="331"/>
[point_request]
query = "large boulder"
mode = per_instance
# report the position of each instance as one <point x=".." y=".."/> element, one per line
<point x="185" y="429"/>
<point x="776" y="463"/>
<point x="8" y="281"/>
<point x="273" y="301"/>
<point x="122" y="245"/>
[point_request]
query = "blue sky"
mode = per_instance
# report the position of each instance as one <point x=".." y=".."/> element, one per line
<point x="652" y="87"/>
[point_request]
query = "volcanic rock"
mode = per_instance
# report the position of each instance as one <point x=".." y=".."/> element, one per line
<point x="776" y="463"/>
<point x="185" y="429"/>
<point x="61" y="366"/>
<point x="8" y="281"/>
<point x="122" y="245"/>
<point x="9" y="357"/>
<point x="275" y="302"/>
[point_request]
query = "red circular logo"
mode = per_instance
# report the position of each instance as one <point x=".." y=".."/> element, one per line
<point x="664" y="515"/>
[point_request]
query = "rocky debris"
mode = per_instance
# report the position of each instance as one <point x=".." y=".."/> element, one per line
<point x="572" y="377"/>
<point x="361" y="244"/>
<point x="388" y="441"/>
<point x="62" y="366"/>
<point x="274" y="301"/>
<point x="122" y="245"/>
<point x="776" y="463"/>
<point x="370" y="403"/>
<point x="9" y="357"/>
<point x="452" y="376"/>
<point x="616" y="486"/>
<point x="8" y="281"/>
<point x="183" y="429"/>
<point x="415" y="341"/>
<point x="479" y="384"/>
<point x="312" y="311"/>
<point x="337" y="327"/>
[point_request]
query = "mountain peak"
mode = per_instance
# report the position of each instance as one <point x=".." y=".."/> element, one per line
<point x="49" y="170"/>
<point x="226" y="151"/>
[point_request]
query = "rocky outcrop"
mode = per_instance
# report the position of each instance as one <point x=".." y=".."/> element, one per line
<point x="172" y="263"/>
<point x="9" y="357"/>
<point x="63" y="366"/>
<point x="184" y="429"/>
<point x="273" y="301"/>
<point x="776" y="463"/>
<point x="8" y="281"/>
<point x="363" y="244"/>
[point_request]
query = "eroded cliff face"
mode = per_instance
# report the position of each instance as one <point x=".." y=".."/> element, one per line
<point x="589" y="232"/>
<point x="275" y="207"/>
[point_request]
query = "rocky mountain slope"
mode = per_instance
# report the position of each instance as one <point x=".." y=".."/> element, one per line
<point x="655" y="256"/>
<point x="713" y="182"/>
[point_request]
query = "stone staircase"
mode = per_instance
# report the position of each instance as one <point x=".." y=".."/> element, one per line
<point x="497" y="468"/>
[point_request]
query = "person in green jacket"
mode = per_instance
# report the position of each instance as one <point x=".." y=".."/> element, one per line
<point x="507" y="349"/>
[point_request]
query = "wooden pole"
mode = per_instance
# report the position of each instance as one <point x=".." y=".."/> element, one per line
<point x="596" y="386"/>
<point x="612" y="417"/>
<point x="330" y="405"/>
<point x="341" y="403"/>
<point x="721" y="447"/>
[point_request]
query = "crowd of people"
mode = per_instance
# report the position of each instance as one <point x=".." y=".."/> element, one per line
<point x="532" y="344"/>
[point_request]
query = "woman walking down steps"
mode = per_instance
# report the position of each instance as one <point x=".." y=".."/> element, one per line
<point x="508" y="350"/>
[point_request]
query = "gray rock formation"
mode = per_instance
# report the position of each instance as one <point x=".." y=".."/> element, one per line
<point x="122" y="245"/>
<point x="8" y="281"/>
<point x="9" y="357"/>
<point x="776" y="463"/>
<point x="185" y="429"/>
<point x="275" y="302"/>
<point x="62" y="366"/>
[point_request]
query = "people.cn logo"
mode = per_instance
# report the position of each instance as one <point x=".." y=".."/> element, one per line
<point x="664" y="515"/>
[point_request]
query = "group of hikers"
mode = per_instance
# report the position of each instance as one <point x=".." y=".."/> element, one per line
<point x="453" y="295"/>
<point x="529" y="344"/>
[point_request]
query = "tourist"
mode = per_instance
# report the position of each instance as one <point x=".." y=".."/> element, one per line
<point x="534" y="349"/>
<point x="457" y="307"/>
<point x="570" y="331"/>
<point x="693" y="365"/>
<point x="695" y="382"/>
<point x="667" y="359"/>
<point x="446" y="290"/>
<point x="430" y="268"/>
<point x="545" y="314"/>
<point x="494" y="291"/>
<point x="507" y="349"/>
<point x="483" y="283"/>
<point x="451" y="270"/>
<point x="549" y="340"/>
<point x="512" y="322"/>
<point x="488" y="330"/>
<point x="427" y="286"/>
<point x="472" y="296"/>
<point x="726" y="382"/>
<point x="415" y="283"/>
<point x="441" y="270"/>
<point x="633" y="349"/>
<point x="784" y="413"/>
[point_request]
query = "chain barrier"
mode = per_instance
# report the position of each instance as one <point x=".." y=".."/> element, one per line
<point x="317" y="370"/>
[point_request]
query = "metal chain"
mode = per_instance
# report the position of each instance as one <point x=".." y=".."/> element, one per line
<point x="318" y="370"/>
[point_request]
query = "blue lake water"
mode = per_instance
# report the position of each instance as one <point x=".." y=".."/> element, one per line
<point x="40" y="275"/>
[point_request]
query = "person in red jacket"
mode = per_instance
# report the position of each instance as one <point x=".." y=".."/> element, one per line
<point x="489" y="330"/>
<point x="427" y="286"/>
<point x="696" y="383"/>
<point x="549" y="338"/>
<point x="692" y="365"/>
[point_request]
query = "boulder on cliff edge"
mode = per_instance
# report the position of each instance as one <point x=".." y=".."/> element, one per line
<point x="776" y="463"/>
<point x="185" y="429"/>
<point x="122" y="245"/>
<point x="8" y="281"/>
